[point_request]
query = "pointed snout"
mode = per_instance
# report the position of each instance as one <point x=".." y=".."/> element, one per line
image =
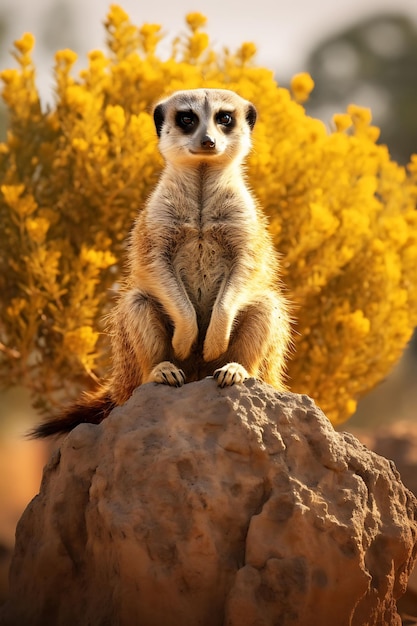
<point x="208" y="142"/>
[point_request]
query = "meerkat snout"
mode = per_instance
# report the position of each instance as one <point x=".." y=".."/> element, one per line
<point x="208" y="142"/>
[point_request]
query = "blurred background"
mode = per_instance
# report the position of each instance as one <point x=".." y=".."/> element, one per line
<point x="361" y="51"/>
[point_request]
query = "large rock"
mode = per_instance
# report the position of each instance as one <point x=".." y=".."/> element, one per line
<point x="398" y="441"/>
<point x="207" y="506"/>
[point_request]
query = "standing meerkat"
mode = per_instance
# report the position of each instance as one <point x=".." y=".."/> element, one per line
<point x="202" y="295"/>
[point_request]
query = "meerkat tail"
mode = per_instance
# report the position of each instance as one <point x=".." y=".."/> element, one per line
<point x="88" y="410"/>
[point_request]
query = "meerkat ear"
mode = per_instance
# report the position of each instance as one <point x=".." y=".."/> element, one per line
<point x="159" y="118"/>
<point x="251" y="115"/>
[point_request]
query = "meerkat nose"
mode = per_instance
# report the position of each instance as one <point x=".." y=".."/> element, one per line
<point x="208" y="142"/>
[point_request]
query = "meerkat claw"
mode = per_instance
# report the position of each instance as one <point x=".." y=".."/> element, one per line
<point x="167" y="373"/>
<point x="230" y="374"/>
<point x="179" y="377"/>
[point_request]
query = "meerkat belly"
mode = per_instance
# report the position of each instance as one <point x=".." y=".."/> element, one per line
<point x="202" y="264"/>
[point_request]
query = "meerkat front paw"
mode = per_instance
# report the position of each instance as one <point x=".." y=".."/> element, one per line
<point x="230" y="374"/>
<point x="167" y="373"/>
<point x="184" y="338"/>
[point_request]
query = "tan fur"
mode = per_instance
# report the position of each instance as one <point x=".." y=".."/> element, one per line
<point x="202" y="294"/>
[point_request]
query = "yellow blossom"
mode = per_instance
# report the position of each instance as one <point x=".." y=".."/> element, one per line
<point x="25" y="44"/>
<point x="81" y="342"/>
<point x="116" y="15"/>
<point x="115" y="117"/>
<point x="80" y="144"/>
<point x="23" y="205"/>
<point x="66" y="57"/>
<point x="301" y="86"/>
<point x="16" y="307"/>
<point x="12" y="193"/>
<point x="342" y="121"/>
<point x="78" y="99"/>
<point x="412" y="166"/>
<point x="37" y="228"/>
<point x="361" y="116"/>
<point x="196" y="21"/>
<point x="99" y="258"/>
<point x="97" y="56"/>
<point x="246" y="52"/>
<point x="150" y="37"/>
<point x="197" y="44"/>
<point x="373" y="133"/>
<point x="359" y="323"/>
<point x="9" y="76"/>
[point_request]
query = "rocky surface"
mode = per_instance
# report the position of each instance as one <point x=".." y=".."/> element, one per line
<point x="207" y="506"/>
<point x="398" y="441"/>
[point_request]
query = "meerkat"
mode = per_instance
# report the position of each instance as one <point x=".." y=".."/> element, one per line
<point x="202" y="295"/>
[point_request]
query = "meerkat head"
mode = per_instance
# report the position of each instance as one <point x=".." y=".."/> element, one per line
<point x="204" y="125"/>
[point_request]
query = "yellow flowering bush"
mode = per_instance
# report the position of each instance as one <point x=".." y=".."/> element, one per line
<point x="73" y="176"/>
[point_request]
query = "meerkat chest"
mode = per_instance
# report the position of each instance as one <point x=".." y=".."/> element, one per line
<point x="202" y="258"/>
<point x="202" y="229"/>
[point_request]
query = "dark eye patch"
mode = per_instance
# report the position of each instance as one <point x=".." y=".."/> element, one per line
<point x="226" y="119"/>
<point x="186" y="120"/>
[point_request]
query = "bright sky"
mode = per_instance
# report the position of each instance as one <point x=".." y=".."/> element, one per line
<point x="284" y="30"/>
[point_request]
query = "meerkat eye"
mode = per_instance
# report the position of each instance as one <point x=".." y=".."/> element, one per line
<point x="187" y="120"/>
<point x="225" y="119"/>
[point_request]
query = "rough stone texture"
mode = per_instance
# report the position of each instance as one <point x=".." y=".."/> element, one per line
<point x="207" y="506"/>
<point x="398" y="441"/>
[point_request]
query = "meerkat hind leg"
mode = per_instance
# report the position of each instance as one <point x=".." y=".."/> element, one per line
<point x="167" y="373"/>
<point x="230" y="374"/>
